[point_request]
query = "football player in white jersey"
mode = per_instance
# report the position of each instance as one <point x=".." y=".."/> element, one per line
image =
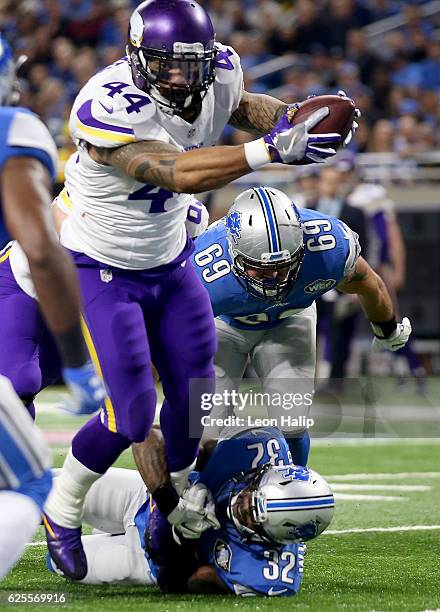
<point x="145" y="127"/>
<point x="28" y="158"/>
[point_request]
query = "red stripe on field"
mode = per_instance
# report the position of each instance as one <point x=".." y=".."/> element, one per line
<point x="58" y="437"/>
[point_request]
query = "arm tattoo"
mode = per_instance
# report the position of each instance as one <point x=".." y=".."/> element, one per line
<point x="356" y="277"/>
<point x="151" y="460"/>
<point x="146" y="161"/>
<point x="257" y="113"/>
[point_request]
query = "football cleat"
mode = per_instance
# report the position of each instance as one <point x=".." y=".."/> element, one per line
<point x="65" y="549"/>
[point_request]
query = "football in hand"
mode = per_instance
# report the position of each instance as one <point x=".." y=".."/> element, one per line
<point x="339" y="119"/>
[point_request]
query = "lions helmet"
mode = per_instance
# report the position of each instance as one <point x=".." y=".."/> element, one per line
<point x="266" y="242"/>
<point x="8" y="78"/>
<point x="281" y="504"/>
<point x="171" y="52"/>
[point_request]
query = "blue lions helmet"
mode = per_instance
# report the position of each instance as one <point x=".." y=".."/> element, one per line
<point x="281" y="505"/>
<point x="8" y="77"/>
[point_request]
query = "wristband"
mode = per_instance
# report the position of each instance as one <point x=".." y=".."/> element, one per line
<point x="166" y="498"/>
<point x="384" y="329"/>
<point x="257" y="153"/>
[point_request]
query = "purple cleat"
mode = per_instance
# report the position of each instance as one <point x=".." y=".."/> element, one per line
<point x="65" y="548"/>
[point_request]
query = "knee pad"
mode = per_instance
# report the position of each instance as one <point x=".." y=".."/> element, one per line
<point x="139" y="416"/>
<point x="25" y="378"/>
<point x="37" y="489"/>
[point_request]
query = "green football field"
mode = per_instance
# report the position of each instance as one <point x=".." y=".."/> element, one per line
<point x="381" y="552"/>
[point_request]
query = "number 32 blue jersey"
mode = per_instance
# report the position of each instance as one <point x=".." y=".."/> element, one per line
<point x="331" y="251"/>
<point x="247" y="568"/>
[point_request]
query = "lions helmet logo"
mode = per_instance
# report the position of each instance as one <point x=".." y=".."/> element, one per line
<point x="233" y="223"/>
<point x="223" y="555"/>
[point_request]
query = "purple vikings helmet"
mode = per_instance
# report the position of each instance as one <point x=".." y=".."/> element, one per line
<point x="171" y="52"/>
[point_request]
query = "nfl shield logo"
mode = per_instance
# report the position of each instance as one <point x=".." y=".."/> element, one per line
<point x="106" y="275"/>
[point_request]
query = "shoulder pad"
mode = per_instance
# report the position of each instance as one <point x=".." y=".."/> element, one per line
<point x="27" y="130"/>
<point x="228" y="72"/>
<point x="108" y="109"/>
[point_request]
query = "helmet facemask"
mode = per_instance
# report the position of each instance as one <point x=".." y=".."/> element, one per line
<point x="275" y="289"/>
<point x="174" y="80"/>
<point x="247" y="507"/>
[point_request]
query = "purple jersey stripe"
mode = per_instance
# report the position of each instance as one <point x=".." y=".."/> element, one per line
<point x="85" y="116"/>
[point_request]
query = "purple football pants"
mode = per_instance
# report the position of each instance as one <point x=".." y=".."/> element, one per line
<point x="135" y="318"/>
<point x="28" y="355"/>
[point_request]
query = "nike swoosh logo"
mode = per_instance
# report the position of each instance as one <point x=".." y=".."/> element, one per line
<point x="273" y="591"/>
<point x="109" y="110"/>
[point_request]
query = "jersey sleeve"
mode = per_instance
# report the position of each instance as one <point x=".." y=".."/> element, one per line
<point x="353" y="248"/>
<point x="212" y="264"/>
<point x="197" y="218"/>
<point x="228" y="84"/>
<point x="29" y="137"/>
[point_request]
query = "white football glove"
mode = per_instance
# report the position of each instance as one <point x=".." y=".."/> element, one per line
<point x="397" y="340"/>
<point x="290" y="143"/>
<point x="195" y="512"/>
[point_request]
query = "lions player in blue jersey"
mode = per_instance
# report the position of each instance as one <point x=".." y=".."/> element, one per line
<point x="266" y="509"/>
<point x="264" y="264"/>
<point x="28" y="158"/>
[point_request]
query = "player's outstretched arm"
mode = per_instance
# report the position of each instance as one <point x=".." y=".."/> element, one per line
<point x="378" y="306"/>
<point x="26" y="195"/>
<point x="257" y="113"/>
<point x="162" y="164"/>
<point x="191" y="513"/>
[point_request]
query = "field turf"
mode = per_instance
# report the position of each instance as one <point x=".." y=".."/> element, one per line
<point x="360" y="564"/>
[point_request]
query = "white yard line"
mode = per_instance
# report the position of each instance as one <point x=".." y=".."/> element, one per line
<point x="383" y="476"/>
<point x="383" y="498"/>
<point x="359" y="441"/>
<point x="382" y="529"/>
<point x="376" y="487"/>
<point x="348" y="531"/>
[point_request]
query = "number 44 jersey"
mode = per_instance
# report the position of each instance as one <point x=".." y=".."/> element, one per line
<point x="114" y="218"/>
<point x="331" y="252"/>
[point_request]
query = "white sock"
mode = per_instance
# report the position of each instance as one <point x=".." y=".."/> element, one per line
<point x="179" y="479"/>
<point x="66" y="500"/>
<point x="20" y="517"/>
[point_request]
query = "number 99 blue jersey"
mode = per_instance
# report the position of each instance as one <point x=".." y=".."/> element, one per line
<point x="331" y="251"/>
<point x="248" y="568"/>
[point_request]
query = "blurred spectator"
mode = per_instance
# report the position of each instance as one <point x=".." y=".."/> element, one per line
<point x="338" y="314"/>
